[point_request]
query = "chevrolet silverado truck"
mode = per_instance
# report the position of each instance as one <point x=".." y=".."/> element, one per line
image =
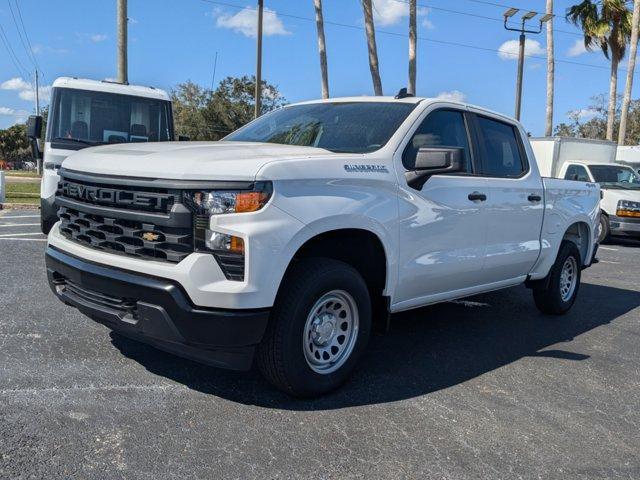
<point x="288" y="241"/>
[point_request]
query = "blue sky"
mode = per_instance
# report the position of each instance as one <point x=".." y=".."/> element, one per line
<point x="175" y="41"/>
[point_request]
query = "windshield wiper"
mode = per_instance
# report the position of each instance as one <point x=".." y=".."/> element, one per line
<point x="78" y="140"/>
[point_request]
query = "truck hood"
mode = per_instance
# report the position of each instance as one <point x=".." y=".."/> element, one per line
<point x="615" y="194"/>
<point x="186" y="160"/>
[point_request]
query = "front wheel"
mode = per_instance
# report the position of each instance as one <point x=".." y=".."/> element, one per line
<point x="555" y="295"/>
<point x="318" y="330"/>
<point x="604" y="230"/>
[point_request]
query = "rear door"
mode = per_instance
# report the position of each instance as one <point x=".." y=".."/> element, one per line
<point x="514" y="207"/>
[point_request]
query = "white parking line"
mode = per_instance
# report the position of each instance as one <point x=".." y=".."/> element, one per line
<point x="25" y="239"/>
<point x="21" y="216"/>
<point x="19" y="234"/>
<point x="20" y="225"/>
<point x="609" y="248"/>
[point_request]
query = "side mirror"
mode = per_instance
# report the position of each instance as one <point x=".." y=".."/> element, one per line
<point x="34" y="127"/>
<point x="435" y="160"/>
<point x="184" y="138"/>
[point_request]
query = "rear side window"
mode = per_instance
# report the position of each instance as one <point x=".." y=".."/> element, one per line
<point x="501" y="149"/>
<point x="577" y="172"/>
<point x="442" y="128"/>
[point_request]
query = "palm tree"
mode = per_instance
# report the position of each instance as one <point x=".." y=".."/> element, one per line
<point x="371" y="45"/>
<point x="548" y="131"/>
<point x="605" y="24"/>
<point x="322" y="49"/>
<point x="622" y="132"/>
<point x="412" y="47"/>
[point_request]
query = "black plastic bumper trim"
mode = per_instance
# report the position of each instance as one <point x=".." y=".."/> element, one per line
<point x="164" y="315"/>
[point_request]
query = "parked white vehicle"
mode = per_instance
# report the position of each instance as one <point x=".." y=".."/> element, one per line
<point x="593" y="161"/>
<point x="85" y="113"/>
<point x="300" y="231"/>
<point x="629" y="155"/>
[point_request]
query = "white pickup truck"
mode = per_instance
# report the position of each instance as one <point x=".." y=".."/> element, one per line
<point x="300" y="232"/>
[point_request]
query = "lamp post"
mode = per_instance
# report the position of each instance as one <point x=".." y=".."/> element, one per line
<point x="510" y="12"/>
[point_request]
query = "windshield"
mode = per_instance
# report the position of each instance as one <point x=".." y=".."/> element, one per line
<point x="353" y="127"/>
<point x="82" y="118"/>
<point x="615" y="176"/>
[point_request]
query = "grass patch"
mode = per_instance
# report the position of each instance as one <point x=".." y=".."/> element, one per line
<point x="17" y="173"/>
<point x="23" y="193"/>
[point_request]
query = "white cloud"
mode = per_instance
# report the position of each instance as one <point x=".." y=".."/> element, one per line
<point x="390" y="12"/>
<point x="577" y="48"/>
<point x="11" y="112"/>
<point x="584" y="113"/>
<point x="25" y="90"/>
<point x="39" y="49"/>
<point x="17" y="83"/>
<point x="509" y="50"/>
<point x="30" y="94"/>
<point x="98" y="37"/>
<point x="246" y="23"/>
<point x="453" y="95"/>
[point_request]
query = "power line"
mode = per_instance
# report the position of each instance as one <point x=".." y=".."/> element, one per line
<point x="12" y="54"/>
<point x="397" y="34"/>
<point x="26" y="36"/>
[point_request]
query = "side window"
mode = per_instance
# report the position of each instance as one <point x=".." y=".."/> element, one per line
<point x="577" y="172"/>
<point x="442" y="128"/>
<point x="501" y="149"/>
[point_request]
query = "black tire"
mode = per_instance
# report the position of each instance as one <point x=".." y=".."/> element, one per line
<point x="547" y="293"/>
<point x="46" y="225"/>
<point x="280" y="356"/>
<point x="605" y="229"/>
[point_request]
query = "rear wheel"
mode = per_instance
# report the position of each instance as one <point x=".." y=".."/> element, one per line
<point x="555" y="294"/>
<point x="319" y="328"/>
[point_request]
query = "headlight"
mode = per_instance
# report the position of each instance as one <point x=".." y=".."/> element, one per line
<point x="627" y="208"/>
<point x="227" y="249"/>
<point x="219" y="202"/>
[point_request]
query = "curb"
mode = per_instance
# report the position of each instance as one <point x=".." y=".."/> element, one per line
<point x="19" y="206"/>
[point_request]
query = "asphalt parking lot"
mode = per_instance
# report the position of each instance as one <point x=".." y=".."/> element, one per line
<point x="476" y="389"/>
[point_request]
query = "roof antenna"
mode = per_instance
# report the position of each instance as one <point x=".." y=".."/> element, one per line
<point x="402" y="93"/>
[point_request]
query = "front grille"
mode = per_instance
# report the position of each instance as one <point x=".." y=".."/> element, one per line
<point x="128" y="237"/>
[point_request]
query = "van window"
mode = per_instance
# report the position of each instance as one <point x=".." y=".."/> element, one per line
<point x="501" y="149"/>
<point x="577" y="172"/>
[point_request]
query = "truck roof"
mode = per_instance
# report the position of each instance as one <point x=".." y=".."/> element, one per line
<point x="411" y="100"/>
<point x="110" y="87"/>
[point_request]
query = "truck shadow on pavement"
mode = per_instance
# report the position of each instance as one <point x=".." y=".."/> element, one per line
<point x="426" y="350"/>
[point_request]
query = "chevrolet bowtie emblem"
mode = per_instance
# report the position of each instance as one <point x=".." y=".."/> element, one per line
<point x="150" y="236"/>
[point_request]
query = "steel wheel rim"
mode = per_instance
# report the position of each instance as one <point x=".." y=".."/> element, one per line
<point x="330" y="332"/>
<point x="568" y="278"/>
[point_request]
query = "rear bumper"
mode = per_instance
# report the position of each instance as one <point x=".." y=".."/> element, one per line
<point x="624" y="226"/>
<point x="156" y="311"/>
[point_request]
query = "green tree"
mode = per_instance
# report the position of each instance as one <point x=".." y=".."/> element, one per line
<point x="13" y="143"/>
<point x="203" y="114"/>
<point x="605" y="24"/>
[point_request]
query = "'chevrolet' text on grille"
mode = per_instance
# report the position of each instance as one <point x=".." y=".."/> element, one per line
<point x="115" y="197"/>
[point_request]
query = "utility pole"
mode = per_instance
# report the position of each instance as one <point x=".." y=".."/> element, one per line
<point x="38" y="160"/>
<point x="259" y="62"/>
<point x="123" y="76"/>
<point x="510" y="12"/>
<point x="37" y="94"/>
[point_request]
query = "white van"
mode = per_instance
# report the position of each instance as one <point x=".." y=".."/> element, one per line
<point x="84" y="113"/>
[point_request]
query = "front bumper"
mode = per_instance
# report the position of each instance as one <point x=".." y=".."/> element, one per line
<point x="624" y="226"/>
<point x="156" y="311"/>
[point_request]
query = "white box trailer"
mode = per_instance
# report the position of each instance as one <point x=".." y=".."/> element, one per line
<point x="553" y="152"/>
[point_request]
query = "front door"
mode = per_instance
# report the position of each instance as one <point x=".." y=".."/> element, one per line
<point x="442" y="226"/>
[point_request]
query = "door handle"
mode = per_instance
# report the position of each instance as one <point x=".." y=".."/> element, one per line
<point x="534" y="198"/>
<point x="475" y="196"/>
